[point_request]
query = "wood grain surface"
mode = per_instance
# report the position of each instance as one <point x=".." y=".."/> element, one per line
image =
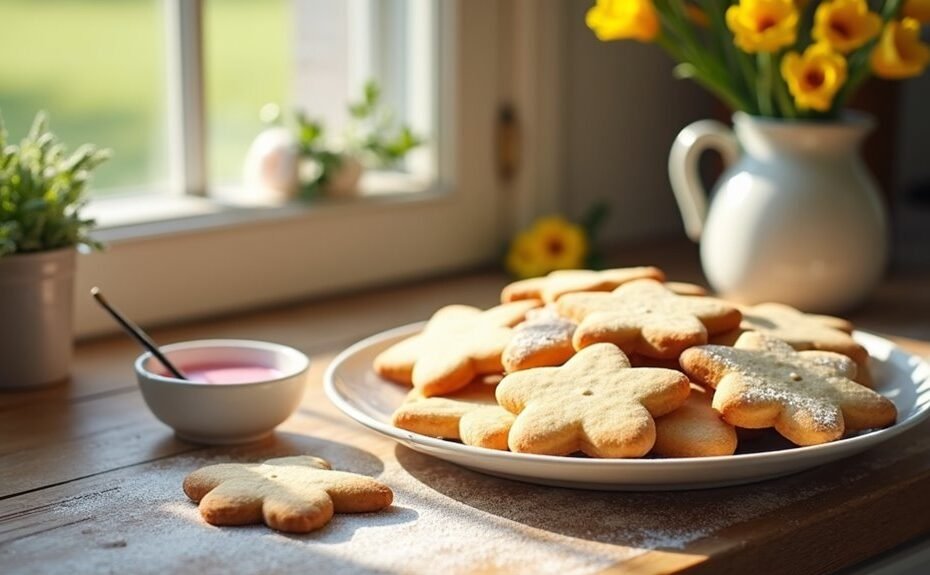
<point x="90" y="481"/>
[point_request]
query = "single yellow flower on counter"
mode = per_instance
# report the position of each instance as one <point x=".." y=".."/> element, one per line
<point x="763" y="25"/>
<point x="845" y="24"/>
<point x="623" y="20"/>
<point x="917" y="9"/>
<point x="814" y="77"/>
<point x="552" y="243"/>
<point x="563" y="243"/>
<point x="524" y="260"/>
<point x="899" y="52"/>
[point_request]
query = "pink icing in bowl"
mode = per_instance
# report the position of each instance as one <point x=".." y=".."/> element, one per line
<point x="219" y="373"/>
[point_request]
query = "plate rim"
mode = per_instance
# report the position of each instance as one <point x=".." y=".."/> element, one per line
<point x="398" y="434"/>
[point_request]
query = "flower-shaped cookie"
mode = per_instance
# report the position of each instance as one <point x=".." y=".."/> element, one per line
<point x="646" y="318"/>
<point x="544" y="339"/>
<point x="560" y="282"/>
<point x="470" y="414"/>
<point x="807" y="396"/>
<point x="293" y="494"/>
<point x="695" y="429"/>
<point x="458" y="343"/>
<point x="595" y="403"/>
<point x="800" y="330"/>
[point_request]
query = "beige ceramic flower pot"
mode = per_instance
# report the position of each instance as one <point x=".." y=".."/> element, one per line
<point x="36" y="311"/>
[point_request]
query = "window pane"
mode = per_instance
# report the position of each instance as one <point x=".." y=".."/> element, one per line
<point x="97" y="68"/>
<point x="316" y="56"/>
<point x="247" y="58"/>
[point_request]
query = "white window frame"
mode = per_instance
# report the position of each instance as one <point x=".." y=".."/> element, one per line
<point x="204" y="265"/>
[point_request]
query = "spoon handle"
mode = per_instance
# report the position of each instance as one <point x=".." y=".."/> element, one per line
<point x="136" y="332"/>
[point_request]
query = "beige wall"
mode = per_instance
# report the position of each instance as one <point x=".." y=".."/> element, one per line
<point x="623" y="108"/>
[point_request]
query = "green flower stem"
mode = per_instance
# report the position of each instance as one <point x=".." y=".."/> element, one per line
<point x="680" y="34"/>
<point x="731" y="54"/>
<point x="858" y="72"/>
<point x="692" y="70"/>
<point x="764" y="84"/>
<point x="783" y="98"/>
<point x="679" y="40"/>
<point x="750" y="77"/>
<point x="805" y="25"/>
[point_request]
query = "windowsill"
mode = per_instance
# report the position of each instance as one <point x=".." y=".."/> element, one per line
<point x="141" y="216"/>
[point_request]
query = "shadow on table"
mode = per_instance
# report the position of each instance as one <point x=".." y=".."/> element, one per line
<point x="644" y="520"/>
<point x="343" y="526"/>
<point x="341" y="456"/>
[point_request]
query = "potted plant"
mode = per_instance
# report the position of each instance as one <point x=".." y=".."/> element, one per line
<point x="42" y="190"/>
<point x="284" y="162"/>
<point x="796" y="217"/>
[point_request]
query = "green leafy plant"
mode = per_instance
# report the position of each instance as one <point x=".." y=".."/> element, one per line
<point x="319" y="162"/>
<point x="375" y="132"/>
<point x="42" y="191"/>
<point x="373" y="137"/>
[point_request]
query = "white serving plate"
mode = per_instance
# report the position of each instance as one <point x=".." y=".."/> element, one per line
<point x="356" y="390"/>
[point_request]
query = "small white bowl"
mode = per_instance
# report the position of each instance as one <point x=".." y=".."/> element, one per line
<point x="223" y="414"/>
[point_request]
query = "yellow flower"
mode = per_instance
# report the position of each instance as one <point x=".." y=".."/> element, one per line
<point x="552" y="243"/>
<point x="814" y="77"/>
<point x="623" y="19"/>
<point x="763" y="25"/>
<point x="899" y="53"/>
<point x="524" y="260"/>
<point x="845" y="24"/>
<point x="917" y="9"/>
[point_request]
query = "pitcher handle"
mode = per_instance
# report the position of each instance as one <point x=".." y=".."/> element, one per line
<point x="683" y="168"/>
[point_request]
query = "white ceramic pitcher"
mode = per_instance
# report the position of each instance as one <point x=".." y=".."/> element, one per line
<point x="795" y="218"/>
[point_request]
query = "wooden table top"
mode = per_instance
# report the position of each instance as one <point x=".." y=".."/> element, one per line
<point x="91" y="482"/>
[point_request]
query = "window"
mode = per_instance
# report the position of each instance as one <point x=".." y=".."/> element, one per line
<point x="248" y="58"/>
<point x="98" y="67"/>
<point x="175" y="87"/>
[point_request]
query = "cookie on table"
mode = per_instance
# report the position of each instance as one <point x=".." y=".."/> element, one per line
<point x="695" y="429"/>
<point x="292" y="494"/>
<point x="800" y="330"/>
<point x="544" y="339"/>
<point x="646" y="318"/>
<point x="596" y="403"/>
<point x="809" y="397"/>
<point x="470" y="415"/>
<point x="458" y="344"/>
<point x="551" y="287"/>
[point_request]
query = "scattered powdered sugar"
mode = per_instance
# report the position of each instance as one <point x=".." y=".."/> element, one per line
<point x="821" y="413"/>
<point x="146" y="524"/>
<point x="445" y="519"/>
<point x="543" y="329"/>
<point x="774" y="375"/>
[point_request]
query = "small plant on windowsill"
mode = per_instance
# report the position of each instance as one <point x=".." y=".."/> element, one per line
<point x="42" y="191"/>
<point x="299" y="159"/>
<point x="374" y="139"/>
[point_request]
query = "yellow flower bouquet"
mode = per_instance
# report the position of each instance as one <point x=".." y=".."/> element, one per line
<point x="777" y="58"/>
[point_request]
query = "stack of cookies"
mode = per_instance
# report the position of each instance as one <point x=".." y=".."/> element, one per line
<point x="621" y="363"/>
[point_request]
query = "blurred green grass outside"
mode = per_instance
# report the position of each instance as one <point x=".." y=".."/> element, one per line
<point x="98" y="68"/>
